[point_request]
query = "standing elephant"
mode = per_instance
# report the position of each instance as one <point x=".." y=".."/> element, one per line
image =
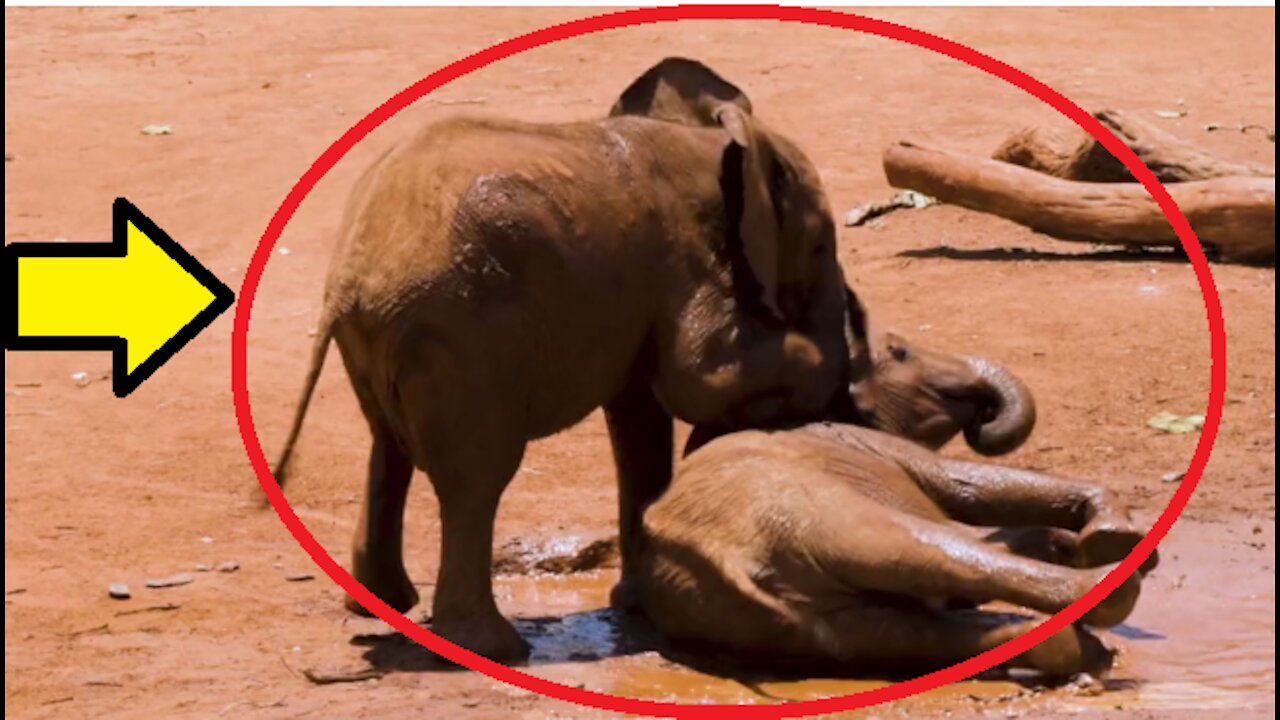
<point x="496" y="281"/>
<point x="833" y="545"/>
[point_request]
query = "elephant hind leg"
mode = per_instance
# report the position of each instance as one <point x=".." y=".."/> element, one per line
<point x="377" y="557"/>
<point x="880" y="634"/>
<point x="1038" y="542"/>
<point x="377" y="553"/>
<point x="906" y="555"/>
<point x="466" y="433"/>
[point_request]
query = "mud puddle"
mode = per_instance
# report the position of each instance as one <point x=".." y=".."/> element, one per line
<point x="1201" y="639"/>
<point x="1203" y="635"/>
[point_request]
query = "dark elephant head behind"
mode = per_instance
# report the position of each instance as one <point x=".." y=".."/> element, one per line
<point x="679" y="90"/>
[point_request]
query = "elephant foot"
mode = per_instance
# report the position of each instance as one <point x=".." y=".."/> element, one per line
<point x="1118" y="605"/>
<point x="1105" y="542"/>
<point x="392" y="585"/>
<point x="625" y="596"/>
<point x="493" y="637"/>
<point x="1068" y="652"/>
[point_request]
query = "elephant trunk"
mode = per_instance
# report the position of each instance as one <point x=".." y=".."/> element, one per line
<point x="1007" y="421"/>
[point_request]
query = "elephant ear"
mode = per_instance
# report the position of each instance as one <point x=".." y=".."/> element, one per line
<point x="679" y="90"/>
<point x="753" y="230"/>
<point x="861" y="367"/>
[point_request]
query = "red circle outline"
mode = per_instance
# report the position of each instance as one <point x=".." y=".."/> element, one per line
<point x="630" y="18"/>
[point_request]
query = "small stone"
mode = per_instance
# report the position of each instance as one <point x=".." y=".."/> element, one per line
<point x="285" y="251"/>
<point x="174" y="581"/>
<point x="328" y="676"/>
<point x="299" y="577"/>
<point x="119" y="591"/>
<point x="228" y="566"/>
<point x="1173" y="477"/>
<point x="80" y="378"/>
<point x="157" y="129"/>
<point x="1166" y="421"/>
<point x="206" y="540"/>
<point x="1086" y="685"/>
<point x="203" y="567"/>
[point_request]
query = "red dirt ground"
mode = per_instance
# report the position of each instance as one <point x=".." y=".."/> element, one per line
<point x="102" y="490"/>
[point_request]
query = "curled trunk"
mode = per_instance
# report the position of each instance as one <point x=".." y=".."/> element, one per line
<point x="1007" y="421"/>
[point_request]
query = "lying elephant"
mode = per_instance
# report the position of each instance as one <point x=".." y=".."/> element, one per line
<point x="834" y="545"/>
<point x="496" y="281"/>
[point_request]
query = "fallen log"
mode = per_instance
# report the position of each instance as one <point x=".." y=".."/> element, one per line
<point x="1171" y="159"/>
<point x="1235" y="215"/>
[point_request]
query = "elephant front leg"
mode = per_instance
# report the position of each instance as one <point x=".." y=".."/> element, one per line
<point x="377" y="553"/>
<point x="992" y="495"/>
<point x="642" y="434"/>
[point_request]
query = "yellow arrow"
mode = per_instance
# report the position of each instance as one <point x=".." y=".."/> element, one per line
<point x="141" y="296"/>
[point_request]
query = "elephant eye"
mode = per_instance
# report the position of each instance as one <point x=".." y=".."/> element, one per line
<point x="899" y="353"/>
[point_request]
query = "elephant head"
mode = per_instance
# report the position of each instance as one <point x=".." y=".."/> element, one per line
<point x="779" y="216"/>
<point x="779" y="313"/>
<point x="930" y="396"/>
<point x="787" y="239"/>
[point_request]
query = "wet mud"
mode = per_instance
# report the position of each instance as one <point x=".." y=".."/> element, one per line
<point x="1202" y="638"/>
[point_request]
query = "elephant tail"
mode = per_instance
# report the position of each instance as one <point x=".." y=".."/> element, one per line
<point x="324" y="334"/>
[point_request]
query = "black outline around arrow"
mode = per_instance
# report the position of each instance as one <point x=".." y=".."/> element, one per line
<point x="123" y="213"/>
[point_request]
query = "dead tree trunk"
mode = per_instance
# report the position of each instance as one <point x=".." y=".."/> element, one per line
<point x="1172" y="159"/>
<point x="1235" y="214"/>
